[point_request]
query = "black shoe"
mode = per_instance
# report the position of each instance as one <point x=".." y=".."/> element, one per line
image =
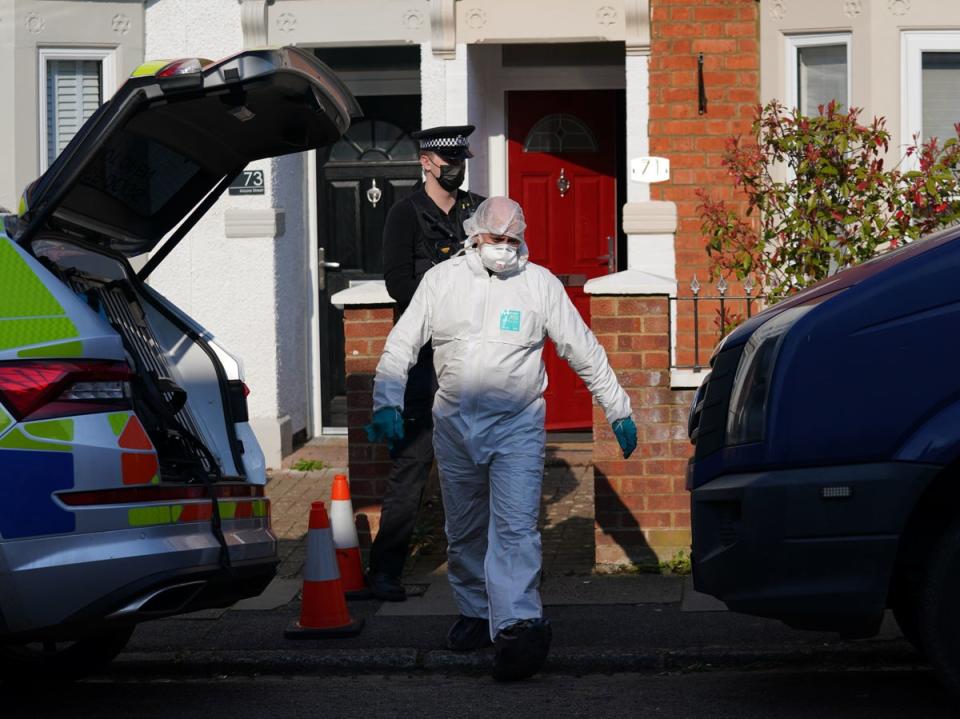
<point x="386" y="587"/>
<point x="521" y="649"/>
<point x="469" y="633"/>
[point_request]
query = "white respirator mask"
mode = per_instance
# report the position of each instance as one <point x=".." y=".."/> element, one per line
<point x="498" y="258"/>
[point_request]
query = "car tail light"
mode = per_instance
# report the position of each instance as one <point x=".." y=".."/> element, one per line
<point x="188" y="66"/>
<point x="40" y="389"/>
<point x="182" y="75"/>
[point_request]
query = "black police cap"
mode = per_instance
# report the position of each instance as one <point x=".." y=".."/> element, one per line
<point x="449" y="141"/>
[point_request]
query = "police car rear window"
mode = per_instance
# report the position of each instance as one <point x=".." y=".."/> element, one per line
<point x="139" y="172"/>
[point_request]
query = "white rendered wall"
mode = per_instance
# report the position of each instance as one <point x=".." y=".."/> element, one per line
<point x="443" y="87"/>
<point x="444" y="91"/>
<point x="9" y="182"/>
<point x="479" y="142"/>
<point x="249" y="292"/>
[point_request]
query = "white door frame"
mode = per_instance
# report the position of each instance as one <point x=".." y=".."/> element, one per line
<point x="366" y="83"/>
<point x="497" y="81"/>
<point x="314" y="360"/>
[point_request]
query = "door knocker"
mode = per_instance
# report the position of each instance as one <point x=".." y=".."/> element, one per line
<point x="374" y="194"/>
<point x="563" y="184"/>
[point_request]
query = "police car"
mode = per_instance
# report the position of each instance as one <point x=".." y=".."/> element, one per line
<point x="131" y="485"/>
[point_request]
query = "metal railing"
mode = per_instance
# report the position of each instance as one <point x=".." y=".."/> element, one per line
<point x="728" y="311"/>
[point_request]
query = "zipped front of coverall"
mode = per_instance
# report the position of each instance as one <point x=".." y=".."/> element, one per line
<point x="477" y="367"/>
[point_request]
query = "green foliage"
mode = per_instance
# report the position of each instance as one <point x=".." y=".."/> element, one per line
<point x="679" y="563"/>
<point x="819" y="199"/>
<point x="308" y="465"/>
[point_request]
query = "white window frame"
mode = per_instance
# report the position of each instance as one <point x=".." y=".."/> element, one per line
<point x="793" y="45"/>
<point x="913" y="43"/>
<point x="107" y="57"/>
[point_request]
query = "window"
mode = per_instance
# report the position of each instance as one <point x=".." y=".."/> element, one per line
<point x="930" y="92"/>
<point x="374" y="141"/>
<point x="73" y="84"/>
<point x="558" y="134"/>
<point x="818" y="71"/>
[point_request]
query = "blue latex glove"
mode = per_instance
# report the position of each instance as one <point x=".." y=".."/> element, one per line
<point x="626" y="432"/>
<point x="387" y="426"/>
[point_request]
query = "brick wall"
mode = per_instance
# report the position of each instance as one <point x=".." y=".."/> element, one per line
<point x="365" y="331"/>
<point x="642" y="507"/>
<point x="727" y="33"/>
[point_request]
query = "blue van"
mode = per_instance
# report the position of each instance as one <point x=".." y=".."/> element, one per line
<point x="825" y="484"/>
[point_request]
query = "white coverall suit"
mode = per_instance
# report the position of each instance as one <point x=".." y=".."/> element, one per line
<point x="488" y="332"/>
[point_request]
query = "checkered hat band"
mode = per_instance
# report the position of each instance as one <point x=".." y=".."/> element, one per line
<point x="458" y="141"/>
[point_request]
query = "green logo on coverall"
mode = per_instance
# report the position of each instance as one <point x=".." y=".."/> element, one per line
<point x="510" y="320"/>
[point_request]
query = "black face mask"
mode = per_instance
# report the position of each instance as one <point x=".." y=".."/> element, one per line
<point x="451" y="176"/>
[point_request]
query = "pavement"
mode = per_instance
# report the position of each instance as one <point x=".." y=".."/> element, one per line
<point x="602" y="622"/>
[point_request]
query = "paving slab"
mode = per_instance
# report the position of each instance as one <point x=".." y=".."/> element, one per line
<point x="278" y="593"/>
<point x="599" y="590"/>
<point x="566" y="508"/>
<point x="330" y="450"/>
<point x="694" y="601"/>
<point x="435" y="601"/>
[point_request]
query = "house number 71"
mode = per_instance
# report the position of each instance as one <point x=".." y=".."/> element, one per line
<point x="649" y="169"/>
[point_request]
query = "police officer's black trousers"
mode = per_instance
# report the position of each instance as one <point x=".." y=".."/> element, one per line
<point x="412" y="461"/>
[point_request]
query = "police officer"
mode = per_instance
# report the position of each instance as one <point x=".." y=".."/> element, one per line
<point x="421" y="230"/>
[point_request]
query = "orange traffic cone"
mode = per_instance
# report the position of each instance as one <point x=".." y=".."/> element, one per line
<point x="345" y="540"/>
<point x="324" y="610"/>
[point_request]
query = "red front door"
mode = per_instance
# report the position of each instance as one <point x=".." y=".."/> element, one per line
<point x="563" y="166"/>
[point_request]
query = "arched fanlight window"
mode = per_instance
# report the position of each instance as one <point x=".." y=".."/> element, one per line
<point x="374" y="141"/>
<point x="560" y="133"/>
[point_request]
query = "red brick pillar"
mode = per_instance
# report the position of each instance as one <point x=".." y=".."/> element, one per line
<point x="727" y="34"/>
<point x="365" y="330"/>
<point x="642" y="507"/>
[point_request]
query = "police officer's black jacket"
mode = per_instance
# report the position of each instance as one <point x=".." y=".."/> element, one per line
<point x="418" y="235"/>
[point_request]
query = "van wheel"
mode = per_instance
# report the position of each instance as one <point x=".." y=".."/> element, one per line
<point x="62" y="660"/>
<point x="939" y="615"/>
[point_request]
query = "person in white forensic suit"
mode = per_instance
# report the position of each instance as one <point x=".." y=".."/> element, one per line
<point x="488" y="311"/>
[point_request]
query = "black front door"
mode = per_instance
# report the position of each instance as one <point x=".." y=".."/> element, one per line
<point x="373" y="166"/>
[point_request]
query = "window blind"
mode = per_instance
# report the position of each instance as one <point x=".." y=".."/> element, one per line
<point x="73" y="95"/>
<point x="821" y="76"/>
<point x="940" y="89"/>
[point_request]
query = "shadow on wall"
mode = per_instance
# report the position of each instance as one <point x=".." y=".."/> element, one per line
<point x="619" y="537"/>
